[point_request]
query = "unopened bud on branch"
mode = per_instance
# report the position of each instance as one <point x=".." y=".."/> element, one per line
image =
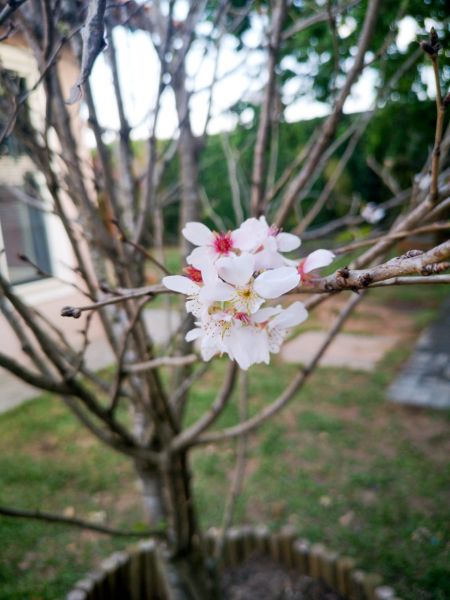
<point x="433" y="46"/>
<point x="71" y="311"/>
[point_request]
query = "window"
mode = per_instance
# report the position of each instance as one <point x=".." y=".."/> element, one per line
<point x="24" y="234"/>
<point x="22" y="218"/>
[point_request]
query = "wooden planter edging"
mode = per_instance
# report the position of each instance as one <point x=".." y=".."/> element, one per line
<point x="140" y="573"/>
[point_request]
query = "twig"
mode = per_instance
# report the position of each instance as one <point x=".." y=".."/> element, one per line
<point x="241" y="459"/>
<point x="74" y="522"/>
<point x="8" y="10"/>
<point x="150" y="291"/>
<point x="9" y="32"/>
<point x="259" y="161"/>
<point x="189" y="435"/>
<point x="23" y="98"/>
<point x="186" y="384"/>
<point x="116" y="388"/>
<point x="431" y="280"/>
<point x="163" y="361"/>
<point x="232" y="164"/>
<point x="383" y="173"/>
<point x="440" y="112"/>
<point x="330" y="125"/>
<point x="126" y="240"/>
<point x="321" y="17"/>
<point x="392" y="236"/>
<point x="43" y="273"/>
<point x="93" y="44"/>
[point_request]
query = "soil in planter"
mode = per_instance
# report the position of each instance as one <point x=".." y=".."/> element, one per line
<point x="260" y="578"/>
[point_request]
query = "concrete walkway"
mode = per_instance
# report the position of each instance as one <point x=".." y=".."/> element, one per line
<point x="425" y="379"/>
<point x="14" y="392"/>
<point x="347" y="350"/>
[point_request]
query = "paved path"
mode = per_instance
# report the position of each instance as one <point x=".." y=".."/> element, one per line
<point x="14" y="392"/>
<point x="347" y="350"/>
<point x="425" y="379"/>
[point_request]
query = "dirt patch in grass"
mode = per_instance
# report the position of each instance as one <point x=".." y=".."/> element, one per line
<point x="427" y="433"/>
<point x="261" y="578"/>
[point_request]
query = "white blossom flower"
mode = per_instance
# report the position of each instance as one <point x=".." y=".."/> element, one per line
<point x="372" y="213"/>
<point x="212" y="333"/>
<point x="282" y="320"/>
<point x="266" y="242"/>
<point x="238" y="272"/>
<point x="203" y="288"/>
<point x="229" y="279"/>
<point x="211" y="245"/>
<point x="275" y="282"/>
<point x="316" y="260"/>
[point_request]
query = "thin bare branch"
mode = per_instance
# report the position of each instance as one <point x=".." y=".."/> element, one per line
<point x="93" y="44"/>
<point x="150" y="291"/>
<point x="399" y="235"/>
<point x="321" y="17"/>
<point x="241" y="458"/>
<point x="162" y="361"/>
<point x="188" y="436"/>
<point x="10" y="8"/>
<point x="332" y="121"/>
<point x="39" y="515"/>
<point x="259" y="162"/>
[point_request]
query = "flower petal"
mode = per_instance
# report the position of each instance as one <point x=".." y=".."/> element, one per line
<point x="295" y="314"/>
<point x="193" y="334"/>
<point x="287" y="242"/>
<point x="236" y="270"/>
<point x="275" y="283"/>
<point x="268" y="259"/>
<point x="198" y="234"/>
<point x="183" y="285"/>
<point x="250" y="235"/>
<point x="264" y="314"/>
<point x="209" y="347"/>
<point x="248" y="345"/>
<point x="216" y="292"/>
<point x="318" y="259"/>
<point x="201" y="257"/>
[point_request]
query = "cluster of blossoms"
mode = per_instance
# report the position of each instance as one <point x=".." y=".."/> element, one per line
<point x="229" y="278"/>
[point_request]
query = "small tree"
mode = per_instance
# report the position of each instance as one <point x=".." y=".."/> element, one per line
<point x="119" y="230"/>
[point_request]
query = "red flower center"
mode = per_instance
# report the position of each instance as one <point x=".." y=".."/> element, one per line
<point x="194" y="274"/>
<point x="304" y="277"/>
<point x="242" y="316"/>
<point x="223" y="243"/>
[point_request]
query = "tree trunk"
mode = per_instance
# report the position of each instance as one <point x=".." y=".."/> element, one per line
<point x="168" y="498"/>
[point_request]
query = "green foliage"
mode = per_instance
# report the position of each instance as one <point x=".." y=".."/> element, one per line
<point x="399" y="136"/>
<point x="314" y="49"/>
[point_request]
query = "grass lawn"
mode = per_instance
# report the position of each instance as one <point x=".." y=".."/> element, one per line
<point x="344" y="466"/>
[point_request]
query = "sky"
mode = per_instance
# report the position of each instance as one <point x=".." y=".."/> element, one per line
<point x="138" y="69"/>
